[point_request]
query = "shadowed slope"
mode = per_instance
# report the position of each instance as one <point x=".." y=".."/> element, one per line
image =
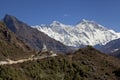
<point x="11" y="46"/>
<point x="34" y="38"/>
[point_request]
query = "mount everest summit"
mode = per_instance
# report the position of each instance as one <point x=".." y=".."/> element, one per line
<point x="84" y="33"/>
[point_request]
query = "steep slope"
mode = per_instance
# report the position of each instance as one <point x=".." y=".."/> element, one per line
<point x="84" y="33"/>
<point x="10" y="46"/>
<point x="117" y="53"/>
<point x="84" y="64"/>
<point x="112" y="48"/>
<point x="34" y="38"/>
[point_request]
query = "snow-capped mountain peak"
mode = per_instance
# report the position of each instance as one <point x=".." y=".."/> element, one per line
<point x="84" y="20"/>
<point x="55" y="23"/>
<point x="84" y="33"/>
<point x="87" y="21"/>
<point x="90" y="24"/>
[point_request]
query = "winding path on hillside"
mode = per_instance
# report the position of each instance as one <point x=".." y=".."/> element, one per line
<point x="9" y="61"/>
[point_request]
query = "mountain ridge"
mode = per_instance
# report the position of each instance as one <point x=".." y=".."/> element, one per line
<point x="84" y="64"/>
<point x="10" y="46"/>
<point x="112" y="48"/>
<point x="84" y="33"/>
<point x="34" y="38"/>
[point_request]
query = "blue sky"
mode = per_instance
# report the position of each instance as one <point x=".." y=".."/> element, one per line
<point x="33" y="12"/>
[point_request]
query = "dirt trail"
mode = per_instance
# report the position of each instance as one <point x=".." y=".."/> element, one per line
<point x="9" y="62"/>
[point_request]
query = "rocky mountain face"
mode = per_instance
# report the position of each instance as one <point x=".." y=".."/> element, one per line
<point x="117" y="53"/>
<point x="10" y="46"/>
<point x="34" y="38"/>
<point x="112" y="48"/>
<point x="84" y="33"/>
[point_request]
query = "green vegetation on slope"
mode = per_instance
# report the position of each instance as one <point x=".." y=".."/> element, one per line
<point x="84" y="64"/>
